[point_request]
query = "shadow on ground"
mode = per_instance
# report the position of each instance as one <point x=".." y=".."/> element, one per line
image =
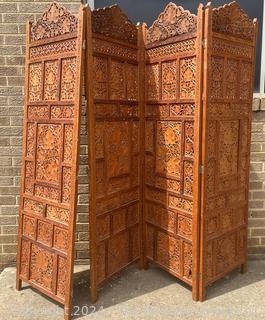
<point x="135" y="294"/>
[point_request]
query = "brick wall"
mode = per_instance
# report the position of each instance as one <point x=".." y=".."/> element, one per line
<point x="13" y="16"/>
<point x="257" y="182"/>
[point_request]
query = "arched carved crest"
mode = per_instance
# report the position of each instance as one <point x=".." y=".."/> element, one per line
<point x="173" y="21"/>
<point x="232" y="20"/>
<point x="55" y="21"/>
<point x="112" y="22"/>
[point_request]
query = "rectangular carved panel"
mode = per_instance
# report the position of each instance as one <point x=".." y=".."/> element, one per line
<point x="169" y="155"/>
<point x="51" y="131"/>
<point x="227" y="124"/>
<point x="114" y="118"/>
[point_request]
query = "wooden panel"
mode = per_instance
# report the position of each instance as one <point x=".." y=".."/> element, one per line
<point x="114" y="133"/>
<point x="173" y="66"/>
<point x="50" y="153"/>
<point x="228" y="90"/>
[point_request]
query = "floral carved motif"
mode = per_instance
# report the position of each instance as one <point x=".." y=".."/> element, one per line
<point x="62" y="276"/>
<point x="187" y="78"/>
<point x="41" y="266"/>
<point x="118" y="153"/>
<point x="117" y="80"/>
<point x="55" y="21"/>
<point x="35" y="82"/>
<point x="50" y="80"/>
<point x="100" y="72"/>
<point x="153" y="78"/>
<point x="172" y="22"/>
<point x="168" y="148"/>
<point x="48" y="152"/>
<point x="225" y="253"/>
<point x="169" y="80"/>
<point x="231" y="19"/>
<point x="113" y="23"/>
<point x="68" y="80"/>
<point x="168" y="251"/>
<point x="228" y="147"/>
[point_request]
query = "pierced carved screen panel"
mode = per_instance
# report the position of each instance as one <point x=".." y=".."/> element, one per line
<point x="230" y="49"/>
<point x="170" y="145"/>
<point x="50" y="153"/>
<point x="116" y="156"/>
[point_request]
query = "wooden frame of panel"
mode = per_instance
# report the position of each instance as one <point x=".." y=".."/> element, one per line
<point x="50" y="154"/>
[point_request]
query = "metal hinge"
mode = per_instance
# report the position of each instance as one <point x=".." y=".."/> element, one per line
<point x="204" y="43"/>
<point x="84" y="44"/>
<point x="201" y="169"/>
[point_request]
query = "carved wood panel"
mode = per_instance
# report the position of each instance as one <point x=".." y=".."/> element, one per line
<point x="115" y="129"/>
<point x="170" y="141"/>
<point x="50" y="153"/>
<point x="226" y="140"/>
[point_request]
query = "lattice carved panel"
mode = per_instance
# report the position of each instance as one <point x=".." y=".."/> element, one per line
<point x="114" y="125"/>
<point x="50" y="148"/>
<point x="227" y="137"/>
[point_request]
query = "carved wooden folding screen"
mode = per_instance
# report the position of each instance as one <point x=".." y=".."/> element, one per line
<point x="50" y="153"/>
<point x="189" y="204"/>
<point x="169" y="116"/>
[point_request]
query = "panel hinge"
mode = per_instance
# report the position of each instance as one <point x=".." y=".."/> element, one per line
<point x="84" y="44"/>
<point x="204" y="42"/>
<point x="201" y="169"/>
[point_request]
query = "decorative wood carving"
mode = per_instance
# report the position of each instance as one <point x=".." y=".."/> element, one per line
<point x="55" y="21"/>
<point x="172" y="22"/>
<point x="50" y="153"/>
<point x="230" y="19"/>
<point x="112" y="22"/>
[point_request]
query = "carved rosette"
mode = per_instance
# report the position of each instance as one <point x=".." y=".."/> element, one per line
<point x="172" y="22"/>
<point x="232" y="20"/>
<point x="112" y="22"/>
<point x="55" y="21"/>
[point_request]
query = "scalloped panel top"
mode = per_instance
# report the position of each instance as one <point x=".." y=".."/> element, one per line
<point x="55" y="21"/>
<point x="112" y="22"/>
<point x="173" y="21"/>
<point x="230" y="19"/>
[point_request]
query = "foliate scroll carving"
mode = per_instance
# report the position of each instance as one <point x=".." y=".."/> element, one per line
<point x="232" y="20"/>
<point x="172" y="22"/>
<point x="55" y="21"/>
<point x="68" y="80"/>
<point x="113" y="23"/>
<point x="35" y="82"/>
<point x="168" y="148"/>
<point x="187" y="78"/>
